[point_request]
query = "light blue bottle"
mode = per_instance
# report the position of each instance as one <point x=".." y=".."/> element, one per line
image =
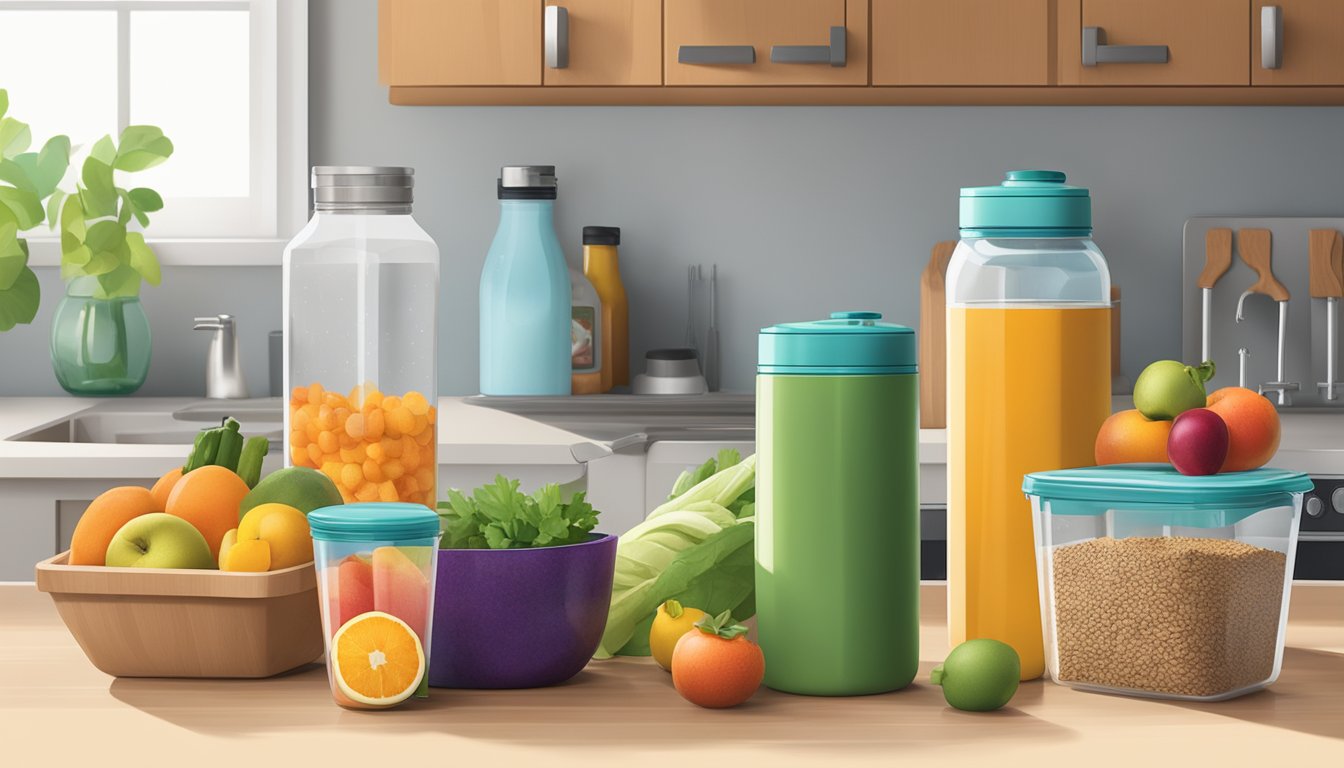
<point x="525" y="296"/>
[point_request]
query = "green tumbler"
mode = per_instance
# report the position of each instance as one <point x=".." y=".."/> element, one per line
<point x="837" y="505"/>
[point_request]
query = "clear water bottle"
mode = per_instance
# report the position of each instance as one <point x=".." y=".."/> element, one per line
<point x="361" y="285"/>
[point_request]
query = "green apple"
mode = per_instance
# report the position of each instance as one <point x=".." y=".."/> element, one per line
<point x="158" y="540"/>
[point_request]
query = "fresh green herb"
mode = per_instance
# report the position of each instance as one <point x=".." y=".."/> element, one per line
<point x="721" y="626"/>
<point x="499" y="516"/>
<point x="224" y="446"/>
<point x="696" y="548"/>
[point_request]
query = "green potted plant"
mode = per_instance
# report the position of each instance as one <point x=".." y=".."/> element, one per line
<point x="26" y="180"/>
<point x="100" y="338"/>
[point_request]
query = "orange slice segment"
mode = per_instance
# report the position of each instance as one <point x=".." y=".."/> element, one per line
<point x="377" y="660"/>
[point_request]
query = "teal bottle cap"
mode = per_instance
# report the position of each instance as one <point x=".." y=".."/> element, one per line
<point x="848" y="343"/>
<point x="374" y="521"/>
<point x="1164" y="496"/>
<point x="1027" y="204"/>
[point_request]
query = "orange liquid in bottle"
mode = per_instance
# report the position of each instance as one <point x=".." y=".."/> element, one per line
<point x="1028" y="388"/>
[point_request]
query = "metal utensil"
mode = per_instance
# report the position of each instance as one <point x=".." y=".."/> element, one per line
<point x="692" y="277"/>
<point x="1326" y="254"/>
<point x="712" y="335"/>
<point x="1217" y="260"/>
<point x="1256" y="250"/>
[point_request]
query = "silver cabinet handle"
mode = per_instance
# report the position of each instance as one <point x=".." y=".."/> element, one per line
<point x="1271" y="37"/>
<point x="833" y="54"/>
<point x="716" y="54"/>
<point x="1096" y="51"/>
<point x="557" y="37"/>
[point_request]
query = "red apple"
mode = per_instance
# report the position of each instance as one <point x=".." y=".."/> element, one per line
<point x="1198" y="442"/>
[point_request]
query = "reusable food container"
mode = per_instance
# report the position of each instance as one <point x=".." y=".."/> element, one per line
<point x="159" y="622"/>
<point x="1163" y="585"/>
<point x="837" y="505"/>
<point x="375" y="571"/>
<point x="1028" y="386"/>
<point x="361" y="288"/>
<point x="529" y="617"/>
<point x="525" y="299"/>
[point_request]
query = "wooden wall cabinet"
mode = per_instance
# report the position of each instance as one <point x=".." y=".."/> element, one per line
<point x="459" y="42"/>
<point x="833" y="52"/>
<point x="610" y="42"/>
<point x="1206" y="42"/>
<point x="1311" y="47"/>
<point x="707" y="41"/>
<point x="961" y="42"/>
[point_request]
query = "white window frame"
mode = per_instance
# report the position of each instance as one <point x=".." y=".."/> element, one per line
<point x="278" y="204"/>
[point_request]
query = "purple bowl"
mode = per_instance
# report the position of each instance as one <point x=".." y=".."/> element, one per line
<point x="519" y="618"/>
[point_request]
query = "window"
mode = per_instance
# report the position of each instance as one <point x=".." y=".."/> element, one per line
<point x="226" y="80"/>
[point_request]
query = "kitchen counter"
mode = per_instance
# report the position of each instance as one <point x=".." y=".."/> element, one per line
<point x="624" y="711"/>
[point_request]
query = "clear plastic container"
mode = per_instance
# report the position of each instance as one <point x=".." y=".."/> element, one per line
<point x="361" y="285"/>
<point x="1029" y="385"/>
<point x="1162" y="585"/>
<point x="375" y="579"/>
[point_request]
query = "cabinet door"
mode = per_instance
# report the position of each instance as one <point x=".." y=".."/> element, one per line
<point x="1205" y="42"/>
<point x="608" y="42"/>
<point x="961" y="42"/>
<point x="1311" y="46"/>
<point x="459" y="42"/>
<point x="753" y="28"/>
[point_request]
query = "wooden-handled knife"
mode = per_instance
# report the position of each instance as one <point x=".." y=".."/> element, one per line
<point x="1256" y="246"/>
<point x="1217" y="260"/>
<point x="1326" y="254"/>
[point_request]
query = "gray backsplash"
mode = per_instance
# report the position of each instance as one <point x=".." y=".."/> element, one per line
<point x="805" y="210"/>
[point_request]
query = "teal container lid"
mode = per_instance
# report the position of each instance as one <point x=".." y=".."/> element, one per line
<point x="849" y="343"/>
<point x="374" y="521"/>
<point x="1207" y="501"/>
<point x="1027" y="204"/>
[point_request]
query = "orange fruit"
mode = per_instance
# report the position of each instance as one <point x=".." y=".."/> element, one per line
<point x="1128" y="437"/>
<point x="376" y="660"/>
<point x="208" y="497"/>
<point x="104" y="517"/>
<point x="715" y="672"/>
<point x="247" y="555"/>
<point x="1252" y="427"/>
<point x="164" y="486"/>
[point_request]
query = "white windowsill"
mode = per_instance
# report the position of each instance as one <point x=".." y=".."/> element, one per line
<point x="183" y="252"/>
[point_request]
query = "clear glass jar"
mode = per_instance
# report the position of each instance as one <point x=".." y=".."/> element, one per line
<point x="361" y="284"/>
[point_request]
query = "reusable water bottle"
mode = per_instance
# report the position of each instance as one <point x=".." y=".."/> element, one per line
<point x="837" y="505"/>
<point x="525" y="296"/>
<point x="1028" y="386"/>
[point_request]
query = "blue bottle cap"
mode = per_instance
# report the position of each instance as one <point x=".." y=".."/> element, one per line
<point x="849" y="343"/>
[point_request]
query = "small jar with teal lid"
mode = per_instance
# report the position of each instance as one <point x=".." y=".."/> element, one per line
<point x="837" y="505"/>
<point x="375" y="575"/>
<point x="1163" y="585"/>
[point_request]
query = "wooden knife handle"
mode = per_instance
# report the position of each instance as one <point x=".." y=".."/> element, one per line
<point x="933" y="338"/>
<point x="1326" y="252"/>
<point x="1256" y="248"/>
<point x="1217" y="256"/>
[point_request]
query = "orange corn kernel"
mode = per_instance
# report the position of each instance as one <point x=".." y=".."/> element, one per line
<point x="387" y="491"/>
<point x="355" y="454"/>
<point x="415" y="403"/>
<point x="298" y="395"/>
<point x="373" y="471"/>
<point x="354" y="426"/>
<point x="393" y="469"/>
<point x="375" y="451"/>
<point x="369" y="492"/>
<point x="424" y="437"/>
<point x="298" y="455"/>
<point x="392" y="447"/>
<point x="400" y="421"/>
<point x="332" y="469"/>
<point x="374" y="424"/>
<point x="315" y="393"/>
<point x="314" y="458"/>
<point x="352" y="475"/>
<point x="327" y="442"/>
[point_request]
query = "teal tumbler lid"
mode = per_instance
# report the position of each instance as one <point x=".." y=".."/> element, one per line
<point x="374" y="521"/>
<point x="1027" y="204"/>
<point x="849" y="343"/>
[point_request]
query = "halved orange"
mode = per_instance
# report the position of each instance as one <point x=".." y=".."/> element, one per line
<point x="377" y="660"/>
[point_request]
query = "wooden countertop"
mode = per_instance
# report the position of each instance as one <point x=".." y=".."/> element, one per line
<point x="56" y="709"/>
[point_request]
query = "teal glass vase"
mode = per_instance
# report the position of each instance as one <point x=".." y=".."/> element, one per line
<point x="99" y="346"/>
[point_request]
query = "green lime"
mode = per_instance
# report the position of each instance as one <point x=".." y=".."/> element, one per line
<point x="979" y="675"/>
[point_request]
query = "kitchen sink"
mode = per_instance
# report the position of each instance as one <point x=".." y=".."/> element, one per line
<point x="627" y="419"/>
<point x="128" y="423"/>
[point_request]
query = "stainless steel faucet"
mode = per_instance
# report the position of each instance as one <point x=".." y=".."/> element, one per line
<point x="223" y="372"/>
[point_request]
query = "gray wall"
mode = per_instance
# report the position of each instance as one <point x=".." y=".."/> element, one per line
<point x="805" y="210"/>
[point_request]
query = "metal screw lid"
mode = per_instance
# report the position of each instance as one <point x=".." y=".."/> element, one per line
<point x="363" y="188"/>
<point x="527" y="176"/>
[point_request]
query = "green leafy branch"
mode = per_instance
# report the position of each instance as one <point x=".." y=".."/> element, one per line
<point x="26" y="179"/>
<point x="499" y="516"/>
<point x="95" y="241"/>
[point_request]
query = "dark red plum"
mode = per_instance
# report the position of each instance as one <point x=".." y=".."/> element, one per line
<point x="1198" y="442"/>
